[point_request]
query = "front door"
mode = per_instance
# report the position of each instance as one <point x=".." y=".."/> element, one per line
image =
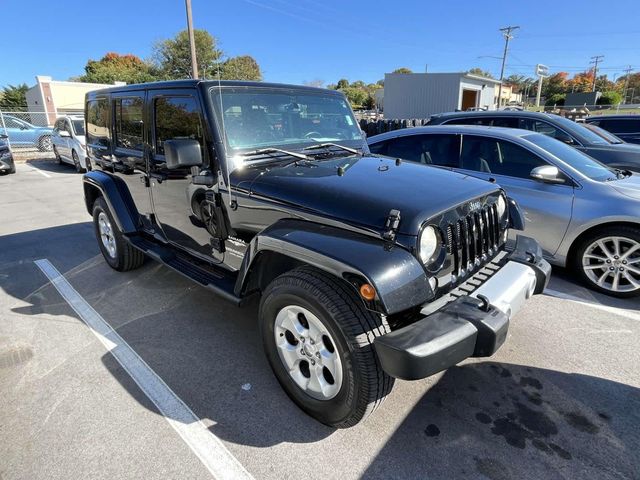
<point x="547" y="207"/>
<point x="181" y="208"/>
<point x="469" y="99"/>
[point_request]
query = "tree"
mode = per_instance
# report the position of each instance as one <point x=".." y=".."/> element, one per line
<point x="633" y="88"/>
<point x="556" y="83"/>
<point x="343" y="83"/>
<point x="243" y="67"/>
<point x="115" y="67"/>
<point x="481" y="73"/>
<point x="173" y="56"/>
<point x="402" y="70"/>
<point x="356" y="96"/>
<point x="13" y="98"/>
<point x="610" y="98"/>
<point x="581" y="82"/>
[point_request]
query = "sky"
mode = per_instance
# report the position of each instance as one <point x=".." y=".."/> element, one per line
<point x="297" y="41"/>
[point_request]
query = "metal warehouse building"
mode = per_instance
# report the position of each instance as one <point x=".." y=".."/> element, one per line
<point x="419" y="95"/>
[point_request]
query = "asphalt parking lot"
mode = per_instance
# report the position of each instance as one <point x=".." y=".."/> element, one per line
<point x="561" y="399"/>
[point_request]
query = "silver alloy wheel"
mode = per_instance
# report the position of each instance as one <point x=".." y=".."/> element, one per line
<point x="46" y="144"/>
<point x="613" y="263"/>
<point x="308" y="352"/>
<point x="106" y="234"/>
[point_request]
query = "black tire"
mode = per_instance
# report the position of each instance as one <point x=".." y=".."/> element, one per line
<point x="126" y="257"/>
<point x="353" y="328"/>
<point x="45" y="144"/>
<point x="76" y="162"/>
<point x="57" y="155"/>
<point x="13" y="168"/>
<point x="623" y="231"/>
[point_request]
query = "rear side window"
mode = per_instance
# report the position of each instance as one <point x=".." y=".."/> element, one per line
<point x="508" y="122"/>
<point x="129" y="126"/>
<point x="470" y="121"/>
<point x="98" y="123"/>
<point x="621" y="125"/>
<point x="176" y="117"/>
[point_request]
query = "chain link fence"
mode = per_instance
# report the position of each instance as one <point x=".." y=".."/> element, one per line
<point x="29" y="132"/>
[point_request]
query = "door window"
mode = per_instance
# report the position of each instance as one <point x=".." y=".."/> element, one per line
<point x="129" y="126"/>
<point x="176" y="117"/>
<point x="441" y="150"/>
<point x="12" y="123"/>
<point x="483" y="154"/>
<point x="508" y="122"/>
<point x="98" y="123"/>
<point x="546" y="129"/>
<point x="621" y="126"/>
<point x="470" y="121"/>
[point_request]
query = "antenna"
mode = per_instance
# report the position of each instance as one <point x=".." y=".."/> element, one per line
<point x="224" y="134"/>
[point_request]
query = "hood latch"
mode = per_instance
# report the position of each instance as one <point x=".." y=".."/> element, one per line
<point x="391" y="225"/>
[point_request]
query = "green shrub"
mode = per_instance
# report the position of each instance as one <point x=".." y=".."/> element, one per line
<point x="609" y="98"/>
<point x="555" y="99"/>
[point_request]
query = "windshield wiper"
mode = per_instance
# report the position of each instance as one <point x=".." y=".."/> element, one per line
<point x="267" y="151"/>
<point x="325" y="145"/>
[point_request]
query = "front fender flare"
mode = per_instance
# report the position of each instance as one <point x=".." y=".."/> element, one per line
<point x="397" y="276"/>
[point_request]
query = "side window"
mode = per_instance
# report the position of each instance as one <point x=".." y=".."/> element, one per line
<point x="176" y="117"/>
<point x="98" y="123"/>
<point x="483" y="154"/>
<point x="56" y="126"/>
<point x="379" y="148"/>
<point x="441" y="150"/>
<point x="546" y="129"/>
<point x="66" y="126"/>
<point x="407" y="147"/>
<point x="621" y="126"/>
<point x="11" y="123"/>
<point x="469" y="121"/>
<point x="128" y="120"/>
<point x="508" y="122"/>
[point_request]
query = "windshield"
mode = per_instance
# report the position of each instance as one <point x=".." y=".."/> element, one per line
<point x="609" y="137"/>
<point x="257" y="118"/>
<point x="78" y="126"/>
<point x="579" y="129"/>
<point x="579" y="161"/>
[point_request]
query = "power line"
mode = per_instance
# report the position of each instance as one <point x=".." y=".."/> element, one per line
<point x="595" y="60"/>
<point x="506" y="32"/>
<point x="627" y="71"/>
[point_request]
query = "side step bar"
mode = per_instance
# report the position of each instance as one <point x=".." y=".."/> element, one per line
<point x="216" y="279"/>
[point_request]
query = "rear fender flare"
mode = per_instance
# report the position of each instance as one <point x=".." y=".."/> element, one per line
<point x="115" y="193"/>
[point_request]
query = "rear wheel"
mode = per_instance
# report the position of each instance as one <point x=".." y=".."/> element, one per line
<point x="45" y="144"/>
<point x="609" y="261"/>
<point x="318" y="338"/>
<point x="119" y="254"/>
<point x="76" y="162"/>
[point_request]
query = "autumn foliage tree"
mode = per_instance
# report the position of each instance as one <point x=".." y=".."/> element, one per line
<point x="115" y="67"/>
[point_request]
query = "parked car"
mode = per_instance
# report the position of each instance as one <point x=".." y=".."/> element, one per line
<point x="627" y="127"/>
<point x="623" y="156"/>
<point x="24" y="134"/>
<point x="584" y="214"/>
<point x="69" y="142"/>
<point x="608" y="136"/>
<point x="368" y="269"/>
<point x="7" y="164"/>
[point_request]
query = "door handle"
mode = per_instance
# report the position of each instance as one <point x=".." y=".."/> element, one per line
<point x="160" y="177"/>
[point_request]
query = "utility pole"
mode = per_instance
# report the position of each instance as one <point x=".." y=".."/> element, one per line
<point x="506" y="32"/>
<point x="627" y="72"/>
<point x="192" y="43"/>
<point x="595" y="60"/>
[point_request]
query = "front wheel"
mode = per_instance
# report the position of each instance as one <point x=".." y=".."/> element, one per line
<point x="318" y="338"/>
<point x="116" y="250"/>
<point x="76" y="162"/>
<point x="609" y="261"/>
<point x="45" y="144"/>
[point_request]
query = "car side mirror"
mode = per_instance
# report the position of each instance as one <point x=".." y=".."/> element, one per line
<point x="547" y="174"/>
<point x="64" y="133"/>
<point x="182" y="153"/>
<point x="565" y="138"/>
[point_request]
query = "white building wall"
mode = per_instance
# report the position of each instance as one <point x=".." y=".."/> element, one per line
<point x="419" y="95"/>
<point x="486" y="88"/>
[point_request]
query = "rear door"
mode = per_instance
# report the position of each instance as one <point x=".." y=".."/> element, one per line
<point x="547" y="207"/>
<point x="180" y="206"/>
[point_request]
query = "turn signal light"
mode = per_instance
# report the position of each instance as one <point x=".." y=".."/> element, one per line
<point x="367" y="292"/>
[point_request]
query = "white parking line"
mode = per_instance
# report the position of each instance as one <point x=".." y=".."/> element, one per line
<point x="572" y="298"/>
<point x="45" y="174"/>
<point x="208" y="448"/>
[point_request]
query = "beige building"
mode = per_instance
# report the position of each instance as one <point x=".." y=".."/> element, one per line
<point x="49" y="98"/>
<point x="507" y="95"/>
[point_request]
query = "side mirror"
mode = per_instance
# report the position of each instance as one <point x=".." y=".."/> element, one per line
<point x="64" y="133"/>
<point x="565" y="138"/>
<point x="182" y="153"/>
<point x="547" y="174"/>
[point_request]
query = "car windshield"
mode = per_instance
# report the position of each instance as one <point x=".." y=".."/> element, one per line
<point x="579" y="161"/>
<point x="258" y="118"/>
<point x="78" y="126"/>
<point x="609" y="137"/>
<point x="581" y="130"/>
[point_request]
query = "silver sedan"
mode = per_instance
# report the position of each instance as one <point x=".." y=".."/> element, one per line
<point x="585" y="215"/>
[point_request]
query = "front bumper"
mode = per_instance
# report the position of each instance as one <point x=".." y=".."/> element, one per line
<point x="6" y="162"/>
<point x="472" y="325"/>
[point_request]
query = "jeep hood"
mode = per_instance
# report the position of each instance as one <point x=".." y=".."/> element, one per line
<point x="363" y="190"/>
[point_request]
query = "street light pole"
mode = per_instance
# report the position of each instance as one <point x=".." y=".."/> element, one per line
<point x="192" y="43"/>
<point x="506" y="31"/>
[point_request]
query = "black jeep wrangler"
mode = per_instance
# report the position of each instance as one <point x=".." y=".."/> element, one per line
<point x="368" y="268"/>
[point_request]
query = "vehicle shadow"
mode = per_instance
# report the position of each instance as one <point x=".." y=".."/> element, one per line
<point x="50" y="165"/>
<point x="504" y="421"/>
<point x="564" y="281"/>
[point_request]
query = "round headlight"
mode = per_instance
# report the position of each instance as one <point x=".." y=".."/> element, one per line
<point x="428" y="244"/>
<point x="501" y="206"/>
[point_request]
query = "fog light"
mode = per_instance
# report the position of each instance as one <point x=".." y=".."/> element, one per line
<point x="367" y="292"/>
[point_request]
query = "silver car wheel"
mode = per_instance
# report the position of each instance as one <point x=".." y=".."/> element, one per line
<point x="308" y="352"/>
<point x="106" y="234"/>
<point x="613" y="263"/>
